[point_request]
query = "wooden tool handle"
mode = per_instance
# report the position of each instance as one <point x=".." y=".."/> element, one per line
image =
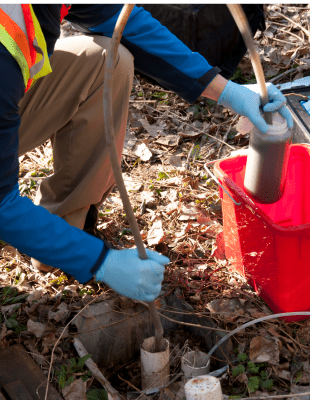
<point x="110" y="139"/>
<point x="243" y="25"/>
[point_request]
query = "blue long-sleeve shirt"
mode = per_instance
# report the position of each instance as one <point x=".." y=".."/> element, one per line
<point x="157" y="53"/>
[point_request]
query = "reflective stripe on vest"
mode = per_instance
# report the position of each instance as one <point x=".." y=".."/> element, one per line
<point x="21" y="34"/>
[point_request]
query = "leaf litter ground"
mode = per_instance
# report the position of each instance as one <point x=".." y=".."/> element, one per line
<point x="178" y="210"/>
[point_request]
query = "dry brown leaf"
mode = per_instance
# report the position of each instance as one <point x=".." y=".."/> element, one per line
<point x="226" y="307"/>
<point x="189" y="212"/>
<point x="189" y="134"/>
<point x="175" y="161"/>
<point x="35" y="296"/>
<point x="75" y="391"/>
<point x="36" y="328"/>
<point x="169" y="140"/>
<point x="218" y="250"/>
<point x="152" y="130"/>
<point x="271" y="71"/>
<point x="264" y="350"/>
<point x="49" y="340"/>
<point x="148" y="198"/>
<point x="131" y="184"/>
<point x="156" y="233"/>
<point x="61" y="313"/>
<point x="172" y="207"/>
<point x="203" y="219"/>
<point x="143" y="152"/>
<point x="9" y="253"/>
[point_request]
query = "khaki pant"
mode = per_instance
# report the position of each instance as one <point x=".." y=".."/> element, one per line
<point x="68" y="103"/>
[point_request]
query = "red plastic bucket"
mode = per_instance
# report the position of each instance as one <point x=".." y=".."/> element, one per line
<point x="269" y="244"/>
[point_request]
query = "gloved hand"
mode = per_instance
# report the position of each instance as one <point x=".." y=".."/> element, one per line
<point x="130" y="276"/>
<point x="245" y="101"/>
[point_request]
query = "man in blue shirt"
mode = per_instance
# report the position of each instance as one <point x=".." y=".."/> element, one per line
<point x="67" y="106"/>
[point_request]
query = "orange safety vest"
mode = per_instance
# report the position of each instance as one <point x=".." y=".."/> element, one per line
<point x="21" y="34"/>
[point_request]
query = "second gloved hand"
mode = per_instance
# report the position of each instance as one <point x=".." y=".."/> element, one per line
<point x="130" y="276"/>
<point x="245" y="101"/>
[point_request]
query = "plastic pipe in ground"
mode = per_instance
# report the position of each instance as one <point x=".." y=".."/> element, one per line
<point x="155" y="366"/>
<point x="195" y="363"/>
<point x="203" y="388"/>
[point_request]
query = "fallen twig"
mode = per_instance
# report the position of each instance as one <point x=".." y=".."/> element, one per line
<point x="293" y="22"/>
<point x="113" y="394"/>
<point x="195" y="325"/>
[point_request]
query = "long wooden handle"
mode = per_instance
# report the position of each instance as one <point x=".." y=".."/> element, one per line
<point x="110" y="139"/>
<point x="244" y="27"/>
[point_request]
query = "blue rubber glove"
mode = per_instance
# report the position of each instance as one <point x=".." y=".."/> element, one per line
<point x="130" y="276"/>
<point x="244" y="101"/>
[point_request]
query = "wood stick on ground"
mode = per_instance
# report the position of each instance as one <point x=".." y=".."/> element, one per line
<point x="295" y="23"/>
<point x="110" y="139"/>
<point x="112" y="393"/>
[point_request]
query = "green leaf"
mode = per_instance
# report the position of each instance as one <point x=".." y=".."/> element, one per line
<point x="195" y="152"/>
<point x="239" y="369"/>
<point x="264" y="375"/>
<point x="70" y="380"/>
<point x="84" y="378"/>
<point x="82" y="360"/>
<point x="253" y="368"/>
<point x="253" y="383"/>
<point x="63" y="369"/>
<point x="97" y="394"/>
<point x="232" y="134"/>
<point x="11" y="323"/>
<point x="242" y="357"/>
<point x="73" y="362"/>
<point x="19" y="298"/>
<point x="195" y="109"/>
<point x="62" y="382"/>
<point x="162" y="175"/>
<point x="267" y="384"/>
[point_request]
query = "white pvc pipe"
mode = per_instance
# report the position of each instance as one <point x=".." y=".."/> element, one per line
<point x="155" y="366"/>
<point x="195" y="363"/>
<point x="203" y="388"/>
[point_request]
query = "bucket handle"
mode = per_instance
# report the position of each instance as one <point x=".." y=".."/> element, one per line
<point x="217" y="181"/>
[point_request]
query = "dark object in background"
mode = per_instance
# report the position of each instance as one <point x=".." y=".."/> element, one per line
<point x="209" y="29"/>
<point x="301" y="128"/>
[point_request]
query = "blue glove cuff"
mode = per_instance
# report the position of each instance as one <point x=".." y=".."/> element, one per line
<point x="226" y="95"/>
<point x="107" y="246"/>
